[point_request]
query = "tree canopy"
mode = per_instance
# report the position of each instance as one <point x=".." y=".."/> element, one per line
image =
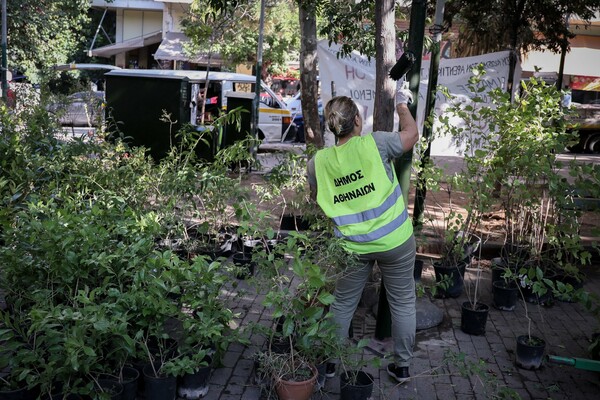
<point x="42" y="33"/>
<point x="521" y="25"/>
<point x="229" y="28"/>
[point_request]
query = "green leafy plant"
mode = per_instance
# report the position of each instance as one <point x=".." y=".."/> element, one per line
<point x="305" y="325"/>
<point x="460" y="363"/>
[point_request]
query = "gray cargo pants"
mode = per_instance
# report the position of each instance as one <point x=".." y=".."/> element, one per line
<point x="396" y="267"/>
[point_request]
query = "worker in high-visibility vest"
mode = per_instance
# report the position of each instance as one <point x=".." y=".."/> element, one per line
<point x="355" y="185"/>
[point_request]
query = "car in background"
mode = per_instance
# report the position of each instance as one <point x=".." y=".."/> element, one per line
<point x="80" y="109"/>
<point x="295" y="106"/>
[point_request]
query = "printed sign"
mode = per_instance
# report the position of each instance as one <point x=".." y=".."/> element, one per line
<point x="354" y="76"/>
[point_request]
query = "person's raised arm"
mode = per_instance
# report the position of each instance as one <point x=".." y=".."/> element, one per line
<point x="409" y="135"/>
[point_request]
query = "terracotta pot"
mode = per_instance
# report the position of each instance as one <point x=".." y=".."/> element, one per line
<point x="293" y="390"/>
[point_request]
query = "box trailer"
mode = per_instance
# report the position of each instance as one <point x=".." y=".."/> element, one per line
<point x="137" y="100"/>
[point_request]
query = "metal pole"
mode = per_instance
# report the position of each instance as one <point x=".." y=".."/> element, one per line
<point x="421" y="189"/>
<point x="4" y="56"/>
<point x="416" y="34"/>
<point x="259" y="56"/>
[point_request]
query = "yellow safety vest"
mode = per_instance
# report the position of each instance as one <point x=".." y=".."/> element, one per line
<point x="354" y="190"/>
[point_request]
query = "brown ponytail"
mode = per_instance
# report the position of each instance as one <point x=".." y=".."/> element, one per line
<point x="340" y="112"/>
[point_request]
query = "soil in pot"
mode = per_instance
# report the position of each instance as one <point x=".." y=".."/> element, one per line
<point x="505" y="295"/>
<point x="530" y="352"/>
<point x="293" y="389"/>
<point x="356" y="385"/>
<point x="473" y="318"/>
<point x="450" y="279"/>
<point x="195" y="385"/>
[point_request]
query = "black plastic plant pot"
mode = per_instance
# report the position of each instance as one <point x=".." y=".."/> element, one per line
<point x="112" y="387"/>
<point x="530" y="352"/>
<point x="474" y="319"/>
<point x="131" y="377"/>
<point x="506" y="295"/>
<point x="359" y="388"/>
<point x="19" y="394"/>
<point x="451" y="279"/>
<point x="159" y="387"/>
<point x="195" y="385"/>
<point x="291" y="222"/>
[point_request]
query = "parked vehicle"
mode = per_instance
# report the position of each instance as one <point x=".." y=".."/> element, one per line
<point x="136" y="99"/>
<point x="586" y="104"/>
<point x="80" y="109"/>
<point x="295" y="106"/>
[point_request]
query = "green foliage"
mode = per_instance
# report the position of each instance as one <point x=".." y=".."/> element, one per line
<point x="521" y="26"/>
<point x="305" y="322"/>
<point x="530" y="189"/>
<point x="45" y="33"/>
<point x="467" y="368"/>
<point x="228" y="28"/>
<point x="87" y="287"/>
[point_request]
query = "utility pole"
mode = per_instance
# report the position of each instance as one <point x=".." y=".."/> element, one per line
<point x="259" y="62"/>
<point x="434" y="63"/>
<point x="4" y="56"/>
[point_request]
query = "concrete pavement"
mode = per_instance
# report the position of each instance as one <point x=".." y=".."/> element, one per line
<point x="481" y="366"/>
<point x="448" y="364"/>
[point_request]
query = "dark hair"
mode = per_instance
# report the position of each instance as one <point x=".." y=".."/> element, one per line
<point x="340" y="112"/>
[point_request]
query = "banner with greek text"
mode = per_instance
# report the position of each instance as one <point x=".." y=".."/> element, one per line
<point x="354" y="76"/>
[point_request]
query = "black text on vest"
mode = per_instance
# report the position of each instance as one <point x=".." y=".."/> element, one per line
<point x="344" y="180"/>
<point x="353" y="194"/>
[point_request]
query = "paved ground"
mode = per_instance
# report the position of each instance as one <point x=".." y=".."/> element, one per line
<point x="488" y="361"/>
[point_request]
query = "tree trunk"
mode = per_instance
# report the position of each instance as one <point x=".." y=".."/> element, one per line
<point x="308" y="75"/>
<point x="385" y="54"/>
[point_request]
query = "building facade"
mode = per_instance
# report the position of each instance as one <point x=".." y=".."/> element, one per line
<point x="148" y="34"/>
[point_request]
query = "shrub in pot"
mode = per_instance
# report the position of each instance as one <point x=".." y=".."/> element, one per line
<point x="304" y="320"/>
<point x="355" y="382"/>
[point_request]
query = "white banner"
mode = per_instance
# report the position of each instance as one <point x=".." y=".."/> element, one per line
<point x="354" y="76"/>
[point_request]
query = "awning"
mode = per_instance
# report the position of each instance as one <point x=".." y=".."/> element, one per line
<point x="127" y="45"/>
<point x="173" y="48"/>
<point x="579" y="61"/>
